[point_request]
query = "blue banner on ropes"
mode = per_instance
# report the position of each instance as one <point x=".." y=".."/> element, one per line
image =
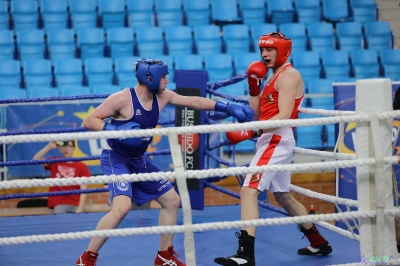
<point x="344" y="99"/>
<point x="63" y="116"/>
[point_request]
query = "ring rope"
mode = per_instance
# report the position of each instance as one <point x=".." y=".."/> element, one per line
<point x="323" y="112"/>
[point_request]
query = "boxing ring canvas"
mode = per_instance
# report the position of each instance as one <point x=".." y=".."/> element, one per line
<point x="275" y="245"/>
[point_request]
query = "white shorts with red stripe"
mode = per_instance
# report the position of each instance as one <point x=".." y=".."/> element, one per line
<point x="272" y="148"/>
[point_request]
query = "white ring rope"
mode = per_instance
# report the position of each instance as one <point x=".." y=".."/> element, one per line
<point x="323" y="112"/>
<point x="180" y="228"/>
<point x="325" y="154"/>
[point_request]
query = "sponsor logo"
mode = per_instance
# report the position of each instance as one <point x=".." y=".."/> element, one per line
<point x="266" y="42"/>
<point x="256" y="177"/>
<point x="123" y="186"/>
<point x="138" y="112"/>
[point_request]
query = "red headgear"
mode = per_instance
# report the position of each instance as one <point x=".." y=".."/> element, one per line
<point x="281" y="43"/>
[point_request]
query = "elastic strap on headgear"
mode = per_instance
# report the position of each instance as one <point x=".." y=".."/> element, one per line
<point x="150" y="72"/>
<point x="280" y="42"/>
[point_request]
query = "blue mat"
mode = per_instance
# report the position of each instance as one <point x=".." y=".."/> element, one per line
<point x="275" y="245"/>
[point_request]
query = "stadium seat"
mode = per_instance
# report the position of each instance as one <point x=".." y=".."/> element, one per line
<point x="325" y="103"/>
<point x="297" y="33"/>
<point x="235" y="89"/>
<point x="75" y="90"/>
<point x="281" y="11"/>
<point x="7" y="46"/>
<point x="336" y="64"/>
<point x="321" y="36"/>
<point x="43" y="92"/>
<point x="149" y="41"/>
<point x="168" y="13"/>
<point x="90" y="42"/>
<point x="83" y="13"/>
<point x="105" y="89"/>
<point x="197" y="12"/>
<point x="140" y="13"/>
<point x="236" y="38"/>
<point x="31" y="44"/>
<point x="257" y="30"/>
<point x="335" y="11"/>
<point x="253" y="11"/>
<point x="207" y="39"/>
<point x="68" y="72"/>
<point x="178" y="40"/>
<point x="25" y="14"/>
<point x="378" y="35"/>
<point x="309" y="137"/>
<point x="224" y="12"/>
<point x="241" y="61"/>
<point x="98" y="70"/>
<point x="364" y="10"/>
<point x="4" y="16"/>
<point x="365" y="64"/>
<point x="112" y="13"/>
<point x="14" y="93"/>
<point x="307" y="63"/>
<point x="218" y="66"/>
<point x="350" y="36"/>
<point x="10" y="73"/>
<point x="37" y="73"/>
<point x="324" y="86"/>
<point x="60" y="43"/>
<point x="308" y="11"/>
<point x="54" y="14"/>
<point x="390" y="60"/>
<point x="120" y="42"/>
<point x="124" y="70"/>
<point x="189" y="62"/>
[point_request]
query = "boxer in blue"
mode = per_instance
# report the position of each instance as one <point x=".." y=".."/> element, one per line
<point x="139" y="108"/>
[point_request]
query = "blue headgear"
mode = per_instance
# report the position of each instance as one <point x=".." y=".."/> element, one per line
<point x="150" y="72"/>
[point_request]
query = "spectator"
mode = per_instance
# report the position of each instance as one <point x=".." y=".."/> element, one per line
<point x="66" y="203"/>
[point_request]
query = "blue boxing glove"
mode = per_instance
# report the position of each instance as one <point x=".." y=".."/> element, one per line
<point x="131" y="142"/>
<point x="242" y="113"/>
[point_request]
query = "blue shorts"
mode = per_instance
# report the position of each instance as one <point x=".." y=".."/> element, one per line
<point x="140" y="192"/>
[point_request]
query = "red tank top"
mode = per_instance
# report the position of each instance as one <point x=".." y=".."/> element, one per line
<point x="270" y="96"/>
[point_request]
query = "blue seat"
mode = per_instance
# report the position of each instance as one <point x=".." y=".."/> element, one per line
<point x="364" y="10"/>
<point x="168" y="13"/>
<point x="257" y="30"/>
<point x="224" y="11"/>
<point x="350" y="36"/>
<point x="189" y="62"/>
<point x="10" y="73"/>
<point x="105" y="89"/>
<point x="98" y="70"/>
<point x="12" y="94"/>
<point x="207" y="39"/>
<point x="236" y="38"/>
<point x="43" y="92"/>
<point x="297" y="33"/>
<point x="197" y="12"/>
<point x="37" y="73"/>
<point x="90" y="42"/>
<point x="316" y="86"/>
<point x="336" y="64"/>
<point x="124" y="71"/>
<point x="363" y="3"/>
<point x="253" y="11"/>
<point x="365" y="64"/>
<point x="241" y="61"/>
<point x="309" y="137"/>
<point x="391" y="61"/>
<point x="61" y="43"/>
<point x="325" y="103"/>
<point x="149" y="41"/>
<point x="218" y="66"/>
<point x="321" y="36"/>
<point x="4" y="16"/>
<point x="120" y="41"/>
<point x="281" y="11"/>
<point x="54" y="13"/>
<point x="307" y="63"/>
<point x="25" y="14"/>
<point x="75" y="90"/>
<point x="83" y="13"/>
<point x="31" y="44"/>
<point x="335" y="11"/>
<point x="308" y="11"/>
<point x="179" y="40"/>
<point x="140" y="13"/>
<point x="7" y="46"/>
<point x="112" y="13"/>
<point x="235" y="89"/>
<point x="378" y="35"/>
<point x="68" y="72"/>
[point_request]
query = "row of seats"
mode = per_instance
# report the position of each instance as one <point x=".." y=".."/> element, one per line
<point x="203" y="40"/>
<point x="133" y="13"/>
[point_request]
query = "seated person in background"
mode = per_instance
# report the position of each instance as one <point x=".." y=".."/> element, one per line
<point x="65" y="203"/>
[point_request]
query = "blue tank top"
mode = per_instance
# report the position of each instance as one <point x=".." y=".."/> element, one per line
<point x="147" y="119"/>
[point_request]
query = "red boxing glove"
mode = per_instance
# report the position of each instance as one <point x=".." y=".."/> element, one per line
<point x="235" y="137"/>
<point x="255" y="75"/>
